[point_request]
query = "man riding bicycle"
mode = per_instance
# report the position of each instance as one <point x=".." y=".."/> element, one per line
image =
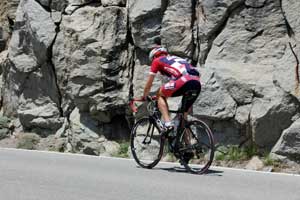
<point x="192" y="141"/>
<point x="183" y="77"/>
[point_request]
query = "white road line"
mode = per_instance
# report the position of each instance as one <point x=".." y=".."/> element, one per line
<point x="132" y="160"/>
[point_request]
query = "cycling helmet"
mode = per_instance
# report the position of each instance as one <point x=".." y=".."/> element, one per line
<point x="157" y="51"/>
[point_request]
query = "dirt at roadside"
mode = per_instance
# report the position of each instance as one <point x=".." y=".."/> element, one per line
<point x="291" y="168"/>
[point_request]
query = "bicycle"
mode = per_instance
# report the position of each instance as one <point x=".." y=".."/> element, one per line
<point x="193" y="139"/>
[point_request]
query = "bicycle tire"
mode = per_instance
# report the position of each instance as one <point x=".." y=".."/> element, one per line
<point x="202" y="149"/>
<point x="146" y="148"/>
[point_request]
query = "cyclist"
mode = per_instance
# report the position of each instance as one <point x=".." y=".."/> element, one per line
<point x="183" y="77"/>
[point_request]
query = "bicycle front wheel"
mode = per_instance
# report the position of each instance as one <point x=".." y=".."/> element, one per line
<point x="146" y="143"/>
<point x="197" y="146"/>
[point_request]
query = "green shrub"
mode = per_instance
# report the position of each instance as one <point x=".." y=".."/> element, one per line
<point x="123" y="152"/>
<point x="235" y="153"/>
<point x="220" y="156"/>
<point x="269" y="161"/>
<point x="251" y="151"/>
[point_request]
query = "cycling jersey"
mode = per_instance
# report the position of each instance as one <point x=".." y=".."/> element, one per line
<point x="173" y="67"/>
<point x="183" y="77"/>
<point x="174" y="87"/>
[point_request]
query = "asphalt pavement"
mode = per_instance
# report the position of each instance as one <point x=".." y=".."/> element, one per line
<point x="34" y="175"/>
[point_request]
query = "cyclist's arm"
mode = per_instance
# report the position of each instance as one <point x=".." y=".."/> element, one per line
<point x="148" y="85"/>
<point x="153" y="70"/>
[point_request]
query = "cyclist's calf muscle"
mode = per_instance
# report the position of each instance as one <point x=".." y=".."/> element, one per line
<point x="163" y="106"/>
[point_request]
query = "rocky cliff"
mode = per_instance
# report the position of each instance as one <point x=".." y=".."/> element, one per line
<point x="72" y="65"/>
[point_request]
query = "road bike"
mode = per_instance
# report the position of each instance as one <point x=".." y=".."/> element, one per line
<point x="190" y="142"/>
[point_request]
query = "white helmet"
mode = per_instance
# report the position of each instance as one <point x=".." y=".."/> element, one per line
<point x="157" y="51"/>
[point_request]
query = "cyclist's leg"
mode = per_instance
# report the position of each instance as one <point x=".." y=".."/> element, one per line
<point x="188" y="101"/>
<point x="190" y="92"/>
<point x="178" y="88"/>
<point x="167" y="90"/>
<point x="163" y="105"/>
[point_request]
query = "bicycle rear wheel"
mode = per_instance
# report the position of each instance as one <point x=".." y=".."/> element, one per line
<point x="146" y="143"/>
<point x="196" y="145"/>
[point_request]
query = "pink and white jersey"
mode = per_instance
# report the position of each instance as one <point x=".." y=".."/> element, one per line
<point x="172" y="66"/>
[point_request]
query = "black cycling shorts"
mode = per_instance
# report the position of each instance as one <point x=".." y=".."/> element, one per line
<point x="189" y="92"/>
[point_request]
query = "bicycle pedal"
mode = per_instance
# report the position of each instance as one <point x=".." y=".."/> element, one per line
<point x="167" y="130"/>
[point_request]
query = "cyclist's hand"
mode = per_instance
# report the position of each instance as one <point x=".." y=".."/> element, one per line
<point x="146" y="98"/>
<point x="149" y="98"/>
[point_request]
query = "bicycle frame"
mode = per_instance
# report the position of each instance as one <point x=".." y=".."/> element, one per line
<point x="155" y="118"/>
<point x="180" y="145"/>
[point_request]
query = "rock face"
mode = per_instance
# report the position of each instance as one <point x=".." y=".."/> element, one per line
<point x="255" y="164"/>
<point x="177" y="28"/>
<point x="72" y="65"/>
<point x="289" y="143"/>
<point x="145" y="19"/>
<point x="244" y="47"/>
<point x="31" y="91"/>
<point x="7" y="16"/>
<point x="97" y="65"/>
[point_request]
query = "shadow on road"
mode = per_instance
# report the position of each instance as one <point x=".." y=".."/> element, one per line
<point x="183" y="170"/>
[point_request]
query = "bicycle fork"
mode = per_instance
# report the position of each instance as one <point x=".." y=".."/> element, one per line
<point x="150" y="131"/>
<point x="148" y="138"/>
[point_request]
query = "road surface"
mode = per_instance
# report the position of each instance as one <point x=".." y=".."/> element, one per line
<point x="33" y="175"/>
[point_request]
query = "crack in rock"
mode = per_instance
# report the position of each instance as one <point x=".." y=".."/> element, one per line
<point x="218" y="30"/>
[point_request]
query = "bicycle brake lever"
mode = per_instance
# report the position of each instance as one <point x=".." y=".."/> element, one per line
<point x="149" y="98"/>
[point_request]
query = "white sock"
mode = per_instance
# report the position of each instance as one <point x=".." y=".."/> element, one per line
<point x="169" y="123"/>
